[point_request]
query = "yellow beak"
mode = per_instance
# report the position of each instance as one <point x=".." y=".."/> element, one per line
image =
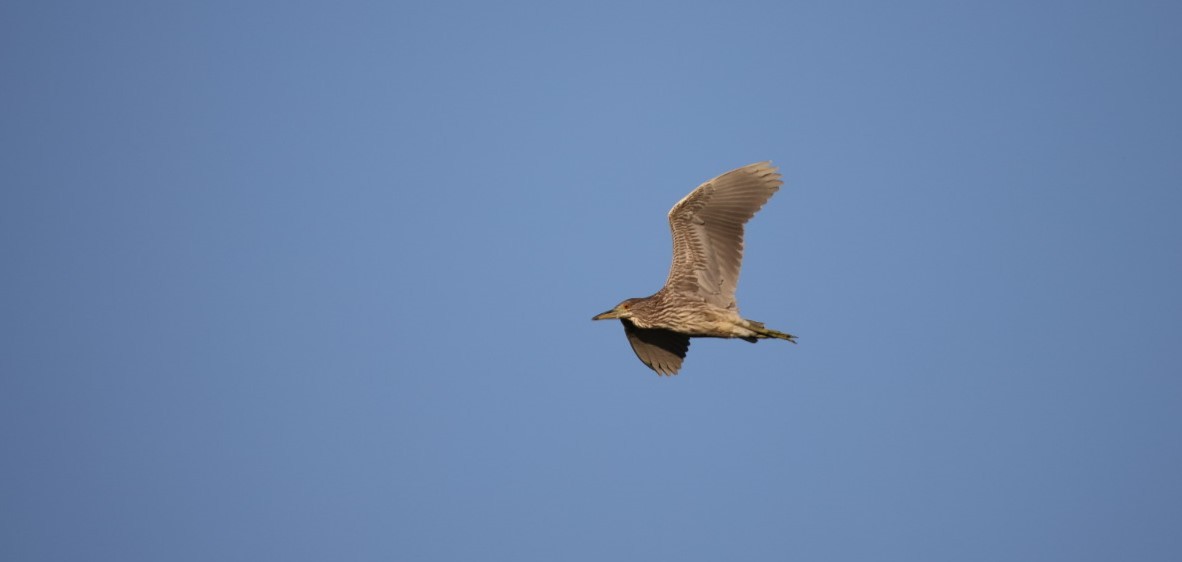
<point x="607" y="315"/>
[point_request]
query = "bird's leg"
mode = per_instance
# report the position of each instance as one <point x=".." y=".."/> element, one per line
<point x="768" y="333"/>
<point x="764" y="333"/>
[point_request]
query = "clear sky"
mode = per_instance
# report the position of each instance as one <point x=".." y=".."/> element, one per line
<point x="313" y="281"/>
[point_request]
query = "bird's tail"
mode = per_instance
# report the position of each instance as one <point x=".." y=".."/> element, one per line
<point x="762" y="332"/>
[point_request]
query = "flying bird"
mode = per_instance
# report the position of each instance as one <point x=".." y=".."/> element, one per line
<point x="698" y="299"/>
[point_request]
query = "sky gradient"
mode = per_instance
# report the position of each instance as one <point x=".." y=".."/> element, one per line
<point x="313" y="281"/>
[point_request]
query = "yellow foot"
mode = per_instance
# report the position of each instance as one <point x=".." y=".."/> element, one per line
<point x="769" y="333"/>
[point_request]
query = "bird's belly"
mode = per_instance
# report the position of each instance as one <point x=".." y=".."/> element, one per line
<point x="711" y="323"/>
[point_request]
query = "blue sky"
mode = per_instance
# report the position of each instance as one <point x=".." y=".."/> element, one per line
<point x="313" y="281"/>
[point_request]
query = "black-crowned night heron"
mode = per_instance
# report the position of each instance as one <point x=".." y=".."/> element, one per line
<point x="698" y="299"/>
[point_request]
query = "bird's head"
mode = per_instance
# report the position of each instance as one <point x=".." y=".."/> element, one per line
<point x="622" y="310"/>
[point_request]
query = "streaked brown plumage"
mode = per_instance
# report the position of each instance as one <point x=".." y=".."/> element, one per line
<point x="698" y="299"/>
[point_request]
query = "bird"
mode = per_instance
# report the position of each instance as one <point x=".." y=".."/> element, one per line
<point x="698" y="299"/>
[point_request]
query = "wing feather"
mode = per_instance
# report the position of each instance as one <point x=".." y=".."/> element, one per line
<point x="661" y="350"/>
<point x="707" y="228"/>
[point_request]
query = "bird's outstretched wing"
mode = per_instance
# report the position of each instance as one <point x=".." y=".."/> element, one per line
<point x="707" y="230"/>
<point x="661" y="350"/>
